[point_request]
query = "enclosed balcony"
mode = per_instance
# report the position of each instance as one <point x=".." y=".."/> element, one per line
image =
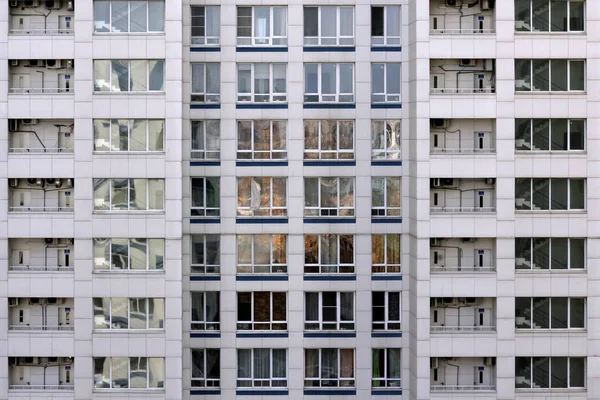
<point x="462" y="136"/>
<point x="41" y="195"/>
<point x="41" y="76"/>
<point x="465" y="374"/>
<point x="36" y="374"/>
<point x="27" y="136"/>
<point x="462" y="255"/>
<point x="41" y="17"/>
<point x="456" y="17"/>
<point x="40" y="314"/>
<point x="462" y="76"/>
<point x="454" y="195"/>
<point x="41" y="255"/>
<point x="462" y="314"/>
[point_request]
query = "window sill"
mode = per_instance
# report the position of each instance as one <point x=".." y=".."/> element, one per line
<point x="330" y="277"/>
<point x="262" y="163"/>
<point x="113" y="332"/>
<point x="130" y="212"/>
<point x="329" y="49"/>
<point x="128" y="272"/>
<point x="375" y="106"/>
<point x="127" y="34"/>
<point x="261" y="49"/>
<point x="329" y="163"/>
<point x="387" y="162"/>
<point x="262" y="105"/>
<point x="554" y="212"/>
<point x="198" y="277"/>
<point x="524" y="271"/>
<point x="198" y="48"/>
<point x="205" y="334"/>
<point x="128" y="390"/>
<point x="392" y="276"/>
<point x="329" y="220"/>
<point x="262" y="334"/>
<point x="129" y="153"/>
<point x="265" y="277"/>
<point x="386" y="334"/>
<point x="386" y="48"/>
<point x="200" y="106"/>
<point x="554" y="34"/>
<point x="329" y="334"/>
<point x="155" y="93"/>
<point x="320" y="105"/>
<point x="548" y="390"/>
<point x="553" y="332"/>
<point x="273" y="391"/>
<point x="579" y="153"/>
<point x="550" y="93"/>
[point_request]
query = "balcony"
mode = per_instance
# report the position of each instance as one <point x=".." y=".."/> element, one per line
<point x="449" y="17"/>
<point x="462" y="374"/>
<point x="46" y="77"/>
<point x="462" y="136"/>
<point x="41" y="18"/>
<point x="40" y="374"/>
<point x="41" y="195"/>
<point x="462" y="255"/>
<point x="40" y="315"/>
<point x="41" y="255"/>
<point x="36" y="137"/>
<point x="462" y="76"/>
<point x="458" y="196"/>
<point x="462" y="315"/>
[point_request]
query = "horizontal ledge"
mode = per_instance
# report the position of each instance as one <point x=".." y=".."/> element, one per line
<point x="329" y="392"/>
<point x="329" y="334"/>
<point x="386" y="48"/>
<point x="385" y="220"/>
<point x="261" y="49"/>
<point x="262" y="392"/>
<point x="386" y="334"/>
<point x="328" y="105"/>
<point x="329" y="49"/>
<point x="385" y="105"/>
<point x="261" y="278"/>
<point x="205" y="49"/>
<point x="258" y="106"/>
<point x="205" y="278"/>
<point x="282" y="335"/>
<point x="397" y="163"/>
<point x="205" y="220"/>
<point x="318" y="277"/>
<point x="329" y="163"/>
<point x="204" y="106"/>
<point x="205" y="335"/>
<point x="205" y="392"/>
<point x="386" y="277"/>
<point x="319" y="220"/>
<point x="205" y="163"/>
<point x="261" y="163"/>
<point x="253" y="220"/>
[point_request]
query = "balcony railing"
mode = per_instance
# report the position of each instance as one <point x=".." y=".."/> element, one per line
<point x="462" y="31"/>
<point x="22" y="150"/>
<point x="41" y="90"/>
<point x="464" y="150"/>
<point x="25" y="209"/>
<point x="41" y="387"/>
<point x="461" y="90"/>
<point x="462" y="210"/>
<point x="40" y="268"/>
<point x="456" y="388"/>
<point x="41" y="31"/>
<point x="461" y="268"/>
<point x="39" y="328"/>
<point x="459" y="329"/>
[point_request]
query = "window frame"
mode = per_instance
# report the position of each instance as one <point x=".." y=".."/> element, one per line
<point x="388" y="152"/>
<point x="385" y="379"/>
<point x="206" y="381"/>
<point x="128" y="388"/>
<point x="98" y="88"/>
<point x="387" y="97"/>
<point x="387" y="324"/>
<point x="273" y="154"/>
<point x="385" y="210"/>
<point x="274" y="268"/>
<point x="147" y="314"/>
<point x="550" y="209"/>
<point x="549" y="255"/>
<point x="200" y="127"/>
<point x="204" y="96"/>
<point x="209" y="269"/>
<point x="387" y="40"/>
<point x="97" y="182"/>
<point x="325" y="154"/>
<point x="329" y="97"/>
<point x="388" y="268"/>
<point x="568" y="133"/>
<point x="250" y="325"/>
<point x="549" y="376"/>
<point x="130" y="123"/>
<point x="129" y="258"/>
<point x="253" y="40"/>
<point x="215" y="16"/>
<point x="254" y="382"/>
<point x="338" y="325"/>
<point x="208" y="326"/>
<point x="128" y="31"/>
<point x="533" y="319"/>
<point x="548" y="14"/>
<point x="568" y="78"/>
<point x="338" y="40"/>
<point x="337" y="211"/>
<point x="206" y="211"/>
<point x="261" y="98"/>
<point x="270" y="210"/>
<point x="339" y="381"/>
<point x="335" y="268"/>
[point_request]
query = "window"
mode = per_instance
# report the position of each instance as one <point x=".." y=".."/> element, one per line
<point x="129" y="16"/>
<point x="206" y="140"/>
<point x="329" y="197"/>
<point x="385" y="254"/>
<point x="549" y="194"/>
<point x="555" y="75"/>
<point x="120" y="313"/>
<point x="328" y="254"/>
<point x="329" y="311"/>
<point x="206" y="194"/>
<point x="328" y="83"/>
<point x="385" y="82"/>
<point x="550" y="313"/>
<point x="261" y="254"/>
<point x="386" y="26"/>
<point x="262" y="311"/>
<point x="329" y="26"/>
<point x="262" y="197"/>
<point x="122" y="254"/>
<point x="206" y="254"/>
<point x="206" y="82"/>
<point x="329" y="368"/>
<point x="262" y="83"/>
<point x="261" y="368"/>
<point x="549" y="134"/>
<point x="129" y="373"/>
<point x="206" y="25"/>
<point x="206" y="368"/>
<point x="386" y="311"/>
<point x="206" y="311"/>
<point x="385" y="139"/>
<point x="129" y="194"/>
<point x="549" y="253"/>
<point x="549" y="16"/>
<point x="262" y="140"/>
<point x="262" y="26"/>
<point x="385" y="196"/>
<point x="550" y="372"/>
<point x="386" y="368"/>
<point x="328" y="140"/>
<point x="129" y="135"/>
<point x="129" y="75"/>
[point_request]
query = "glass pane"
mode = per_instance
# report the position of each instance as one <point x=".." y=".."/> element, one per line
<point x="523" y="75"/>
<point x="559" y="75"/>
<point x="137" y="253"/>
<point x="541" y="367"/>
<point x="523" y="16"/>
<point x="156" y="128"/>
<point x="523" y="313"/>
<point x="101" y="135"/>
<point x="392" y="78"/>
<point x="346" y="79"/>
<point x="244" y="78"/>
<point x="137" y="313"/>
<point x="559" y="194"/>
<point x="541" y="253"/>
<point x="119" y="16"/>
<point x="523" y="134"/>
<point x="197" y="78"/>
<point x="577" y="76"/>
<point x="244" y="362"/>
<point x="559" y="134"/>
<point x="102" y="75"/>
<point x="541" y="312"/>
<point x="120" y="372"/>
<point x="139" y="76"/>
<point x="576" y="134"/>
<point x="311" y="84"/>
<point x="138" y="135"/>
<point x="328" y="83"/>
<point x="120" y="194"/>
<point x="541" y="194"/>
<point x="577" y="253"/>
<point x="577" y="313"/>
<point x="119" y="75"/>
<point x="560" y="313"/>
<point x="346" y="21"/>
<point x="102" y="16"/>
<point x="156" y="194"/>
<point x="157" y="75"/>
<point x="558" y="13"/>
<point x="101" y="253"/>
<point x="311" y="21"/>
<point x="329" y="22"/>
<point x="522" y="372"/>
<point x="157" y="253"/>
<point x="102" y="194"/>
<point x="541" y="75"/>
<point x="558" y="368"/>
<point x="541" y="16"/>
<point x="138" y="15"/>
<point x="156" y="372"/>
<point x="213" y="21"/>
<point x="138" y="372"/>
<point x="156" y="313"/>
<point x="244" y="21"/>
<point x="137" y="194"/>
<point x="119" y="313"/>
<point x="577" y="19"/>
<point x="262" y="22"/>
<point x="523" y="253"/>
<point x="377" y="78"/>
<point x="101" y="313"/>
<point x="577" y="372"/>
<point x="577" y="194"/>
<point x="156" y="16"/>
<point x="560" y="253"/>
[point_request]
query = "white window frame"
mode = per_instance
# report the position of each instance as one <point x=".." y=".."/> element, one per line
<point x="254" y="40"/>
<point x="129" y="269"/>
<point x="386" y="39"/>
<point x="270" y="210"/>
<point x="129" y="388"/>
<point x="247" y="326"/>
<point x="273" y="268"/>
<point x="128" y="209"/>
<point x="215" y="269"/>
<point x="569" y="387"/>
<point x="384" y="381"/>
<point x="386" y="210"/>
<point x="338" y="40"/>
<point x="129" y="125"/>
<point x="569" y="266"/>
<point x="386" y="153"/>
<point x="532" y="77"/>
<point x="205" y="153"/>
<point x="273" y="154"/>
<point x="336" y="211"/>
<point x="207" y="326"/>
<point x="129" y="328"/>
<point x="336" y="97"/>
<point x="210" y="12"/>
<point x="387" y="97"/>
<point x="397" y="268"/>
<point x="128" y="31"/>
<point x="387" y="324"/>
<point x="110" y="72"/>
<point x="342" y="382"/>
<point x="549" y="317"/>
<point x="204" y="96"/>
<point x="548" y="14"/>
<point x="321" y="154"/>
<point x="206" y="211"/>
<point x="531" y="136"/>
<point x="337" y="267"/>
<point x="550" y="209"/>
<point x="205" y="382"/>
<point x="252" y="96"/>
<point x="338" y="325"/>
<point x="272" y="381"/>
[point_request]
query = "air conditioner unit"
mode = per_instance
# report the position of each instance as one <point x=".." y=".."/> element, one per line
<point x="29" y="360"/>
<point x="433" y="302"/>
<point x="13" y="125"/>
<point x="435" y="242"/>
<point x="39" y="182"/>
<point x="31" y="181"/>
<point x="467" y="62"/>
<point x="447" y="182"/>
<point x="14" y="3"/>
<point x="466" y="240"/>
<point x="13" y="301"/>
<point x="439" y="123"/>
<point x="462" y="300"/>
<point x="29" y="121"/>
<point x="488" y="361"/>
<point x="49" y="240"/>
<point x="52" y="300"/>
<point x="471" y="300"/>
<point x="433" y="362"/>
<point x="487" y="4"/>
<point x="34" y="300"/>
<point x="448" y="300"/>
<point x="52" y="359"/>
<point x="70" y="64"/>
<point x="451" y="3"/>
<point x="53" y="64"/>
<point x="53" y="4"/>
<point x="30" y="3"/>
<point x="435" y="182"/>
<point x="32" y="63"/>
<point x="50" y="181"/>
<point x="490" y="181"/>
<point x="13" y="182"/>
<point x="14" y="63"/>
<point x="58" y="182"/>
<point x="70" y="5"/>
<point x="13" y="361"/>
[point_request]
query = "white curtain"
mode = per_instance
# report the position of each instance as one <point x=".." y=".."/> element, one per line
<point x="197" y="78"/>
<point x="393" y="21"/>
<point x="346" y="21"/>
<point x="280" y="21"/>
<point x="346" y="306"/>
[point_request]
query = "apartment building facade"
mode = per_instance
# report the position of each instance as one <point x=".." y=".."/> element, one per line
<point x="298" y="200"/>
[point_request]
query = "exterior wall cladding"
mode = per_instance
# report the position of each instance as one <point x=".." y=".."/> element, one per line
<point x="313" y="199"/>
